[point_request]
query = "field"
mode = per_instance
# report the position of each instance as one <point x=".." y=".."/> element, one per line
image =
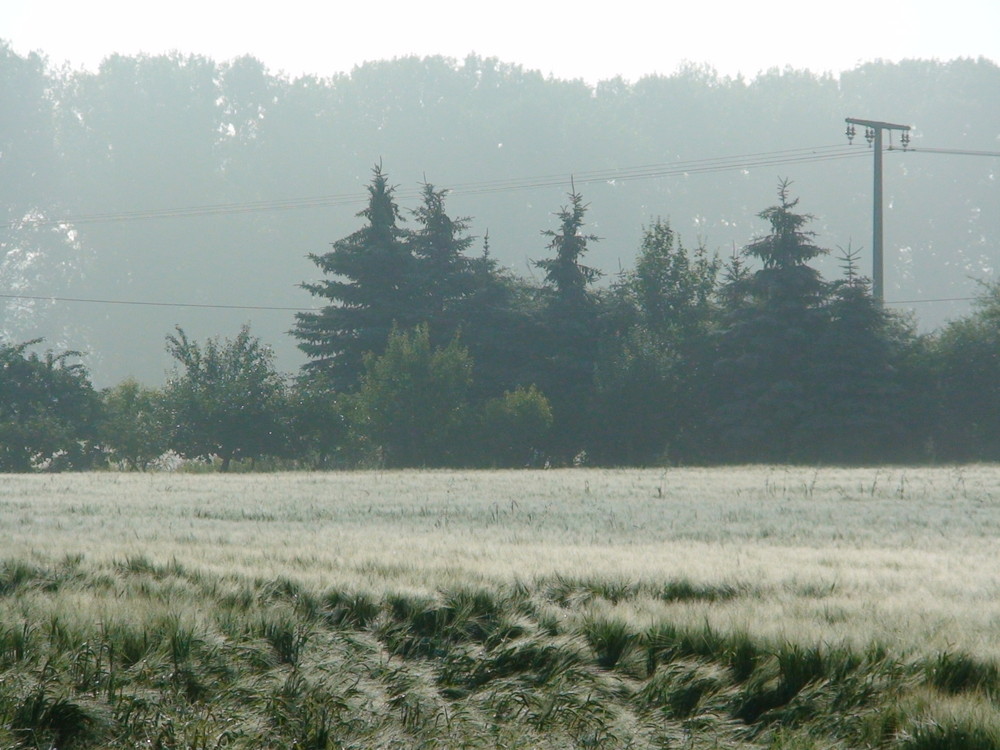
<point x="761" y="607"/>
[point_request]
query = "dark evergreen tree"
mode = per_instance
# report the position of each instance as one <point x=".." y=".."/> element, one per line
<point x="637" y="400"/>
<point x="500" y="326"/>
<point x="444" y="275"/>
<point x="566" y="278"/>
<point x="371" y="287"/>
<point x="569" y="330"/>
<point x="732" y="294"/>
<point x="861" y="412"/>
<point x="764" y="386"/>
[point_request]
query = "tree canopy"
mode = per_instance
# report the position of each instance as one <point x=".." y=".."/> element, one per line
<point x="225" y="399"/>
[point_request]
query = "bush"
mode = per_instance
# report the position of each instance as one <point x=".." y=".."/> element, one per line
<point x="513" y="428"/>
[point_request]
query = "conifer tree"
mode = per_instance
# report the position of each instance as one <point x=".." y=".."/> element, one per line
<point x="569" y="329"/>
<point x="444" y="275"/>
<point x="861" y="414"/>
<point x="764" y="384"/>
<point x="565" y="277"/>
<point x="499" y="324"/>
<point x="370" y="287"/>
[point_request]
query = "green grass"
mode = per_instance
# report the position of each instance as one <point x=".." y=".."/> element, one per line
<point x="402" y="610"/>
<point x="188" y="664"/>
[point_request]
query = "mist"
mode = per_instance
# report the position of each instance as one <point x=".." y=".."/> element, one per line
<point x="177" y="190"/>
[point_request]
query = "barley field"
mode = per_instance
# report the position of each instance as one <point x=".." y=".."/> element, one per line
<point x="766" y="607"/>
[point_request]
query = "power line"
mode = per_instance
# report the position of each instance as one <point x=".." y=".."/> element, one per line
<point x="642" y="172"/>
<point x="619" y="174"/>
<point x="949" y="151"/>
<point x="145" y="303"/>
<point x="155" y="304"/>
<point x="940" y="299"/>
<point x="685" y="169"/>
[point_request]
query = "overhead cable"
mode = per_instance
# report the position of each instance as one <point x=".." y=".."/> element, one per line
<point x="614" y="175"/>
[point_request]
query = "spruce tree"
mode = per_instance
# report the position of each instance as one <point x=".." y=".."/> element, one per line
<point x="764" y="383"/>
<point x="569" y="330"/>
<point x="444" y="275"/>
<point x="370" y="287"/>
<point x="499" y="325"/>
<point x="861" y="410"/>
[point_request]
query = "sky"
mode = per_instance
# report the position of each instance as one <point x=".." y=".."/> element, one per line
<point x="593" y="42"/>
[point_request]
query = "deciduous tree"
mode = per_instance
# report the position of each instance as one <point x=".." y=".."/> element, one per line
<point x="48" y="410"/>
<point x="411" y="408"/>
<point x="226" y="399"/>
<point x="967" y="368"/>
<point x="650" y="376"/>
<point x="133" y="426"/>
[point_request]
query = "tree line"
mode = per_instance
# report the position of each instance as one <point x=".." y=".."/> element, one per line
<point x="182" y="179"/>
<point x="425" y="351"/>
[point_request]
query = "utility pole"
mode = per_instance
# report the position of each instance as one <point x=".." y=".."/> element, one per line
<point x="873" y="134"/>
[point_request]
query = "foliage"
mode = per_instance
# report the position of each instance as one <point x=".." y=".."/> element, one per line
<point x="568" y="329"/>
<point x="671" y="289"/>
<point x="967" y="373"/>
<point x="444" y="275"/>
<point x="227" y="400"/>
<point x="48" y="410"/>
<point x="133" y="429"/>
<point x="638" y="404"/>
<point x="146" y="133"/>
<point x="650" y="377"/>
<point x="411" y="406"/>
<point x="318" y="426"/>
<point x="500" y="324"/>
<point x="565" y="276"/>
<point x="764" y="384"/>
<point x="514" y="428"/>
<point x="862" y="409"/>
<point x="371" y="288"/>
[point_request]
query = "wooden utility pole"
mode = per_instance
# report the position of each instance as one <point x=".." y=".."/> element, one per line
<point x="873" y="134"/>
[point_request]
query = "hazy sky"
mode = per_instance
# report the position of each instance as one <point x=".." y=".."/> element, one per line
<point x="567" y="39"/>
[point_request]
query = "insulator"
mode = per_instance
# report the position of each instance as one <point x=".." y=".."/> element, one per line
<point x="850" y="133"/>
<point x="905" y="138"/>
<point x="870" y="135"/>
